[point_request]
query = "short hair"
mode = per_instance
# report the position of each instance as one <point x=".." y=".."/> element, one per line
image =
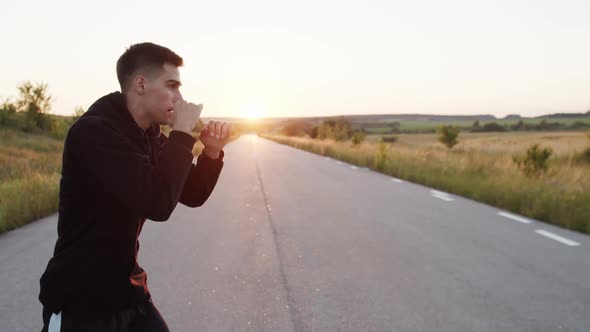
<point x="144" y="56"/>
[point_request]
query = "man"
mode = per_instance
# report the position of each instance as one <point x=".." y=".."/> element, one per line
<point x="119" y="170"/>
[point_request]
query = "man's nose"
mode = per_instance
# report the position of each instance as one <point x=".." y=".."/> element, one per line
<point x="178" y="97"/>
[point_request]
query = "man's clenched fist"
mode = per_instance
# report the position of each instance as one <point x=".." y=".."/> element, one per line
<point x="185" y="116"/>
<point x="214" y="137"/>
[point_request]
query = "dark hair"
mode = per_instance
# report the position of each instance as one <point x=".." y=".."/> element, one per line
<point x="144" y="56"/>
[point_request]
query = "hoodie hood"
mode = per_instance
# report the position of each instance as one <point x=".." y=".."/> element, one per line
<point x="113" y="108"/>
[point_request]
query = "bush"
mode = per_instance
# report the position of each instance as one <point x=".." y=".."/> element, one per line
<point x="79" y="111"/>
<point x="314" y="132"/>
<point x="534" y="163"/>
<point x="448" y="135"/>
<point x="492" y="127"/>
<point x="60" y="128"/>
<point x="339" y="130"/>
<point x="381" y="156"/>
<point x="358" y="138"/>
<point x="586" y="154"/>
<point x="389" y="138"/>
<point x="294" y="128"/>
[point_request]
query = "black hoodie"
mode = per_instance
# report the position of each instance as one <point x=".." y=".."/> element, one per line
<point x="114" y="176"/>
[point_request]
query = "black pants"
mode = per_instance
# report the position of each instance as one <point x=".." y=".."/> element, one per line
<point x="144" y="317"/>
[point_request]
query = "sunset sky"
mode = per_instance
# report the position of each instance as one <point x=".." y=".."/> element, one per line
<point x="309" y="58"/>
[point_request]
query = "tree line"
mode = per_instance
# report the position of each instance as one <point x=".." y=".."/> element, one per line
<point x="29" y="112"/>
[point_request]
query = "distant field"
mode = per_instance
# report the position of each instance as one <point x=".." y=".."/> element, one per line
<point x="427" y="125"/>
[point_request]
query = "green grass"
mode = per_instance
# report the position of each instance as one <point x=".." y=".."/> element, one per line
<point x="560" y="197"/>
<point x="27" y="199"/>
<point x="30" y="167"/>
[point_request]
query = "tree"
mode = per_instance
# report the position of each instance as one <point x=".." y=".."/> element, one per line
<point x="519" y="125"/>
<point x="395" y="127"/>
<point x="7" y="114"/>
<point x="476" y="126"/>
<point x="342" y="130"/>
<point x="448" y="135"/>
<point x="35" y="102"/>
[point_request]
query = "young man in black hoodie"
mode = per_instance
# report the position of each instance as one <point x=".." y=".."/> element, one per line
<point x="119" y="170"/>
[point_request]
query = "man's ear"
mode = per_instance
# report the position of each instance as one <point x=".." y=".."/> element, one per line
<point x="139" y="85"/>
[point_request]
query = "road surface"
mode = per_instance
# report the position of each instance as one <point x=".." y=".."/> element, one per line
<point x="291" y="241"/>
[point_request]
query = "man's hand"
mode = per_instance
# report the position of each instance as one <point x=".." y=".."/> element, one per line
<point x="185" y="116"/>
<point x="214" y="137"/>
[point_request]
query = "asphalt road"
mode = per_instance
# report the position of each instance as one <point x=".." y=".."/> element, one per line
<point x="291" y="241"/>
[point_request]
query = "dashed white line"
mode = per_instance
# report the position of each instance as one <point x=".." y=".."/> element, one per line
<point x="436" y="192"/>
<point x="397" y="180"/>
<point x="557" y="238"/>
<point x="353" y="167"/>
<point x="338" y="162"/>
<point x="514" y="217"/>
<point x="443" y="197"/>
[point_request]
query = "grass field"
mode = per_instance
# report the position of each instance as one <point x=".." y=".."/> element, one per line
<point x="481" y="168"/>
<point x="564" y="144"/>
<point x="30" y="167"/>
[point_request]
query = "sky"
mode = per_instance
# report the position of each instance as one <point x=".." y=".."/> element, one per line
<point x="314" y="58"/>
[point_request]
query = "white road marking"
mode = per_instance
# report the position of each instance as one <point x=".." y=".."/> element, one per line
<point x="353" y="167"/>
<point x="443" y="197"/>
<point x="514" y="217"/>
<point x="440" y="193"/>
<point x="338" y="162"/>
<point x="397" y="180"/>
<point x="557" y="238"/>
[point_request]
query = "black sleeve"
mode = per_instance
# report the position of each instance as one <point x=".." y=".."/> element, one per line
<point x="126" y="173"/>
<point x="201" y="180"/>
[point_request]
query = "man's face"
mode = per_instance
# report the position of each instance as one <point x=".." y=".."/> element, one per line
<point x="161" y="92"/>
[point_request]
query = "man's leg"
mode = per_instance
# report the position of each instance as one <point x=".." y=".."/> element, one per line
<point x="46" y="317"/>
<point x="149" y="319"/>
<point x="69" y="322"/>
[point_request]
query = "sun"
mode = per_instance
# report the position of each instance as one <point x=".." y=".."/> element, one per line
<point x="252" y="111"/>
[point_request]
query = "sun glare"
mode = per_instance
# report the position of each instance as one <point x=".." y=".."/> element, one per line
<point x="252" y="112"/>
